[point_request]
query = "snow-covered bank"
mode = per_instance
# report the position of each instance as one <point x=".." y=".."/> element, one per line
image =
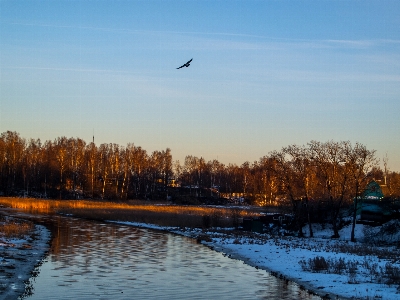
<point x="282" y="256"/>
<point x="18" y="259"/>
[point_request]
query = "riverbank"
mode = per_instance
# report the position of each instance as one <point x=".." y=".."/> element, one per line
<point x="288" y="257"/>
<point x="19" y="256"/>
<point x="346" y="271"/>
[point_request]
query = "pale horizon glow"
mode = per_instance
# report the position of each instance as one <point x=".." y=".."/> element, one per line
<point x="264" y="75"/>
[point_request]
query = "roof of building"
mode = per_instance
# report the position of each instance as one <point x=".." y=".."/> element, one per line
<point x="372" y="191"/>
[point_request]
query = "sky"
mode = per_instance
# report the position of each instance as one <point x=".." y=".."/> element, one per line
<point x="264" y="75"/>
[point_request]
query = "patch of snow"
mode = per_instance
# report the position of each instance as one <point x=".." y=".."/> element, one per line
<point x="22" y="262"/>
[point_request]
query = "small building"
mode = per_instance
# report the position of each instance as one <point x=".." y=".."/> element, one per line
<point x="253" y="225"/>
<point x="372" y="206"/>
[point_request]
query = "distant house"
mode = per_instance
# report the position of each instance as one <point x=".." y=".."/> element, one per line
<point x="372" y="206"/>
<point x="275" y="218"/>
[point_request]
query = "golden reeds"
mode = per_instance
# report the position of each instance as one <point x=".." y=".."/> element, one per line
<point x="160" y="214"/>
<point x="14" y="228"/>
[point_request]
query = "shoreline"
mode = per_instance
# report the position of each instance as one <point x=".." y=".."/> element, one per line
<point x="303" y="285"/>
<point x="26" y="259"/>
<point x="279" y="256"/>
<point x="19" y="259"/>
<point x="232" y="254"/>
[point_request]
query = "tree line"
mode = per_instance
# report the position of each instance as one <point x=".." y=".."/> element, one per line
<point x="330" y="170"/>
<point x="298" y="177"/>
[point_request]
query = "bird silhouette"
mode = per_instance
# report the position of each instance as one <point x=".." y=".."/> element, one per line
<point x="186" y="65"/>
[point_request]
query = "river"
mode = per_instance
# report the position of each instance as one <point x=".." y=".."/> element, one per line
<point x="94" y="260"/>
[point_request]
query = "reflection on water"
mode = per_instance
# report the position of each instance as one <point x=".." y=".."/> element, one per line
<point x="90" y="260"/>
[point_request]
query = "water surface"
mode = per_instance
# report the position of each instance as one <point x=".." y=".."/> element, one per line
<point x="93" y="260"/>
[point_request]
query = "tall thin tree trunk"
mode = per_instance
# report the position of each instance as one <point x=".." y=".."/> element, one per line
<point x="353" y="225"/>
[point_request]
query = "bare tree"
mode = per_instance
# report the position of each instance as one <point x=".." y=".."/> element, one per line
<point x="13" y="151"/>
<point x="104" y="165"/>
<point x="360" y="162"/>
<point x="394" y="184"/>
<point x="301" y="168"/>
<point x="139" y="169"/>
<point x="127" y="162"/>
<point x="189" y="168"/>
<point x="167" y="170"/>
<point x="234" y="179"/>
<point x="245" y="167"/>
<point x="91" y="162"/>
<point x="263" y="181"/>
<point x="116" y="163"/>
<point x="62" y="159"/>
<point x="33" y="163"/>
<point x="330" y="159"/>
<point x="76" y="156"/>
<point x="289" y="180"/>
<point x="177" y="169"/>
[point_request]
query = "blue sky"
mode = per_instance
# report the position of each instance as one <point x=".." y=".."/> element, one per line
<point x="265" y="74"/>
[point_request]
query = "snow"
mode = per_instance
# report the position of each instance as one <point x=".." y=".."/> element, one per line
<point x="18" y="259"/>
<point x="278" y="255"/>
<point x="281" y="257"/>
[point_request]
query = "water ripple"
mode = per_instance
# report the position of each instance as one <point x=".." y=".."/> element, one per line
<point x="90" y="260"/>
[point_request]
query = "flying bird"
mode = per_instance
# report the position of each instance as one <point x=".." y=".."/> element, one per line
<point x="186" y="65"/>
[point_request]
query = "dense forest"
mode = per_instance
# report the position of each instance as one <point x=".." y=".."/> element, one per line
<point x="69" y="168"/>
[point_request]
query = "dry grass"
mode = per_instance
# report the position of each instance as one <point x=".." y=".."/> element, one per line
<point x="14" y="228"/>
<point x="388" y="274"/>
<point x="162" y="214"/>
